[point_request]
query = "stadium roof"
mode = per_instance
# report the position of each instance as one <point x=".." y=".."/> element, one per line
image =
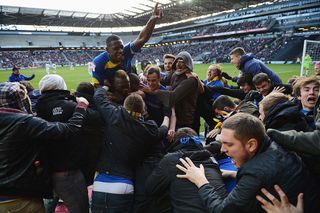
<point x="97" y="13"/>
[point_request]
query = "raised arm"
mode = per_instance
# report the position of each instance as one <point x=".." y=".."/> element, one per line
<point x="29" y="78"/>
<point x="146" y="32"/>
<point x="103" y="104"/>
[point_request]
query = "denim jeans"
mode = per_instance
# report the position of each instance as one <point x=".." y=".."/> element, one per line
<point x="111" y="203"/>
<point x="71" y="188"/>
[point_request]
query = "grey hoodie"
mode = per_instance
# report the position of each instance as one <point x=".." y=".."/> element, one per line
<point x="186" y="57"/>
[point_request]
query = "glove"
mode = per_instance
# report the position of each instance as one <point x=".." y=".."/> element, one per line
<point x="226" y="76"/>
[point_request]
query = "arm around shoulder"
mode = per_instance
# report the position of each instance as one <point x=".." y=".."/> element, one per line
<point x="38" y="128"/>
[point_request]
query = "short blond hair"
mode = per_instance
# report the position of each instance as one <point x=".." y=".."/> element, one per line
<point x="271" y="100"/>
<point x="217" y="66"/>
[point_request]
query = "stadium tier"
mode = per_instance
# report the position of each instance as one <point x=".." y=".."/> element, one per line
<point x="152" y="106"/>
<point x="266" y="49"/>
<point x="272" y="32"/>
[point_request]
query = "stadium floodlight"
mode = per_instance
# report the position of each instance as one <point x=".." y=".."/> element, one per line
<point x="310" y="54"/>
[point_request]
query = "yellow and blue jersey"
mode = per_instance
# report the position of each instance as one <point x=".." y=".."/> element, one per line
<point x="105" y="69"/>
<point x="215" y="82"/>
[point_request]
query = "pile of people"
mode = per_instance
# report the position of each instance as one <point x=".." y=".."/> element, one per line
<point x="135" y="138"/>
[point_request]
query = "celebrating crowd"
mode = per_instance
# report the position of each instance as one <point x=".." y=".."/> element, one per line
<point x="135" y="138"/>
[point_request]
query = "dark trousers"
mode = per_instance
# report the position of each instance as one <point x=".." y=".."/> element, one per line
<point x="111" y="203"/>
<point x="71" y="187"/>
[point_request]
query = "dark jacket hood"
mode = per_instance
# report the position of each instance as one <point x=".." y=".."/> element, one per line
<point x="245" y="58"/>
<point x="285" y="116"/>
<point x="55" y="95"/>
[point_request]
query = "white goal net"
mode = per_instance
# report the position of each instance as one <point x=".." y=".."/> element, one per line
<point x="310" y="54"/>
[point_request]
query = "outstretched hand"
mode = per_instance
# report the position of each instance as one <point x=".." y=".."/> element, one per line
<point x="279" y="89"/>
<point x="157" y="12"/>
<point x="282" y="206"/>
<point x="213" y="133"/>
<point x="194" y="174"/>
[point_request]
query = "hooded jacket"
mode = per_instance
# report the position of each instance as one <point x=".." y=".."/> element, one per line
<point x="187" y="59"/>
<point x="303" y="142"/>
<point x="248" y="64"/>
<point x="59" y="105"/>
<point x="286" y="116"/>
<point x="184" y="94"/>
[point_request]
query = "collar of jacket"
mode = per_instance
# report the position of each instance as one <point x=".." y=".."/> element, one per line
<point x="56" y="95"/>
<point x="176" y="146"/>
<point x="264" y="145"/>
<point x="11" y="110"/>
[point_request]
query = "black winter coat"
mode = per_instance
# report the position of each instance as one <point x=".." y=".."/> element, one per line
<point x="58" y="105"/>
<point x="22" y="137"/>
<point x="127" y="140"/>
<point x="183" y="194"/>
<point x="286" y="116"/>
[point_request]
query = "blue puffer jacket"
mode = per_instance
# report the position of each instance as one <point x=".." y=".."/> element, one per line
<point x="248" y="64"/>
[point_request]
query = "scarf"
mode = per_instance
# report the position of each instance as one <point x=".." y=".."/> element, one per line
<point x="136" y="115"/>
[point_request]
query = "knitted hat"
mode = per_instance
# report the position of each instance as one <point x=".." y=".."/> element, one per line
<point x="52" y="82"/>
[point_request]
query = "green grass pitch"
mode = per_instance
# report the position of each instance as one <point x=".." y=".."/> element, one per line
<point x="79" y="74"/>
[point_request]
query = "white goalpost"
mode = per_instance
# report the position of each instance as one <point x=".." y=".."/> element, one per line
<point x="310" y="54"/>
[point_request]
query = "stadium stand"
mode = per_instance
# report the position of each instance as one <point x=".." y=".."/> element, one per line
<point x="272" y="32"/>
